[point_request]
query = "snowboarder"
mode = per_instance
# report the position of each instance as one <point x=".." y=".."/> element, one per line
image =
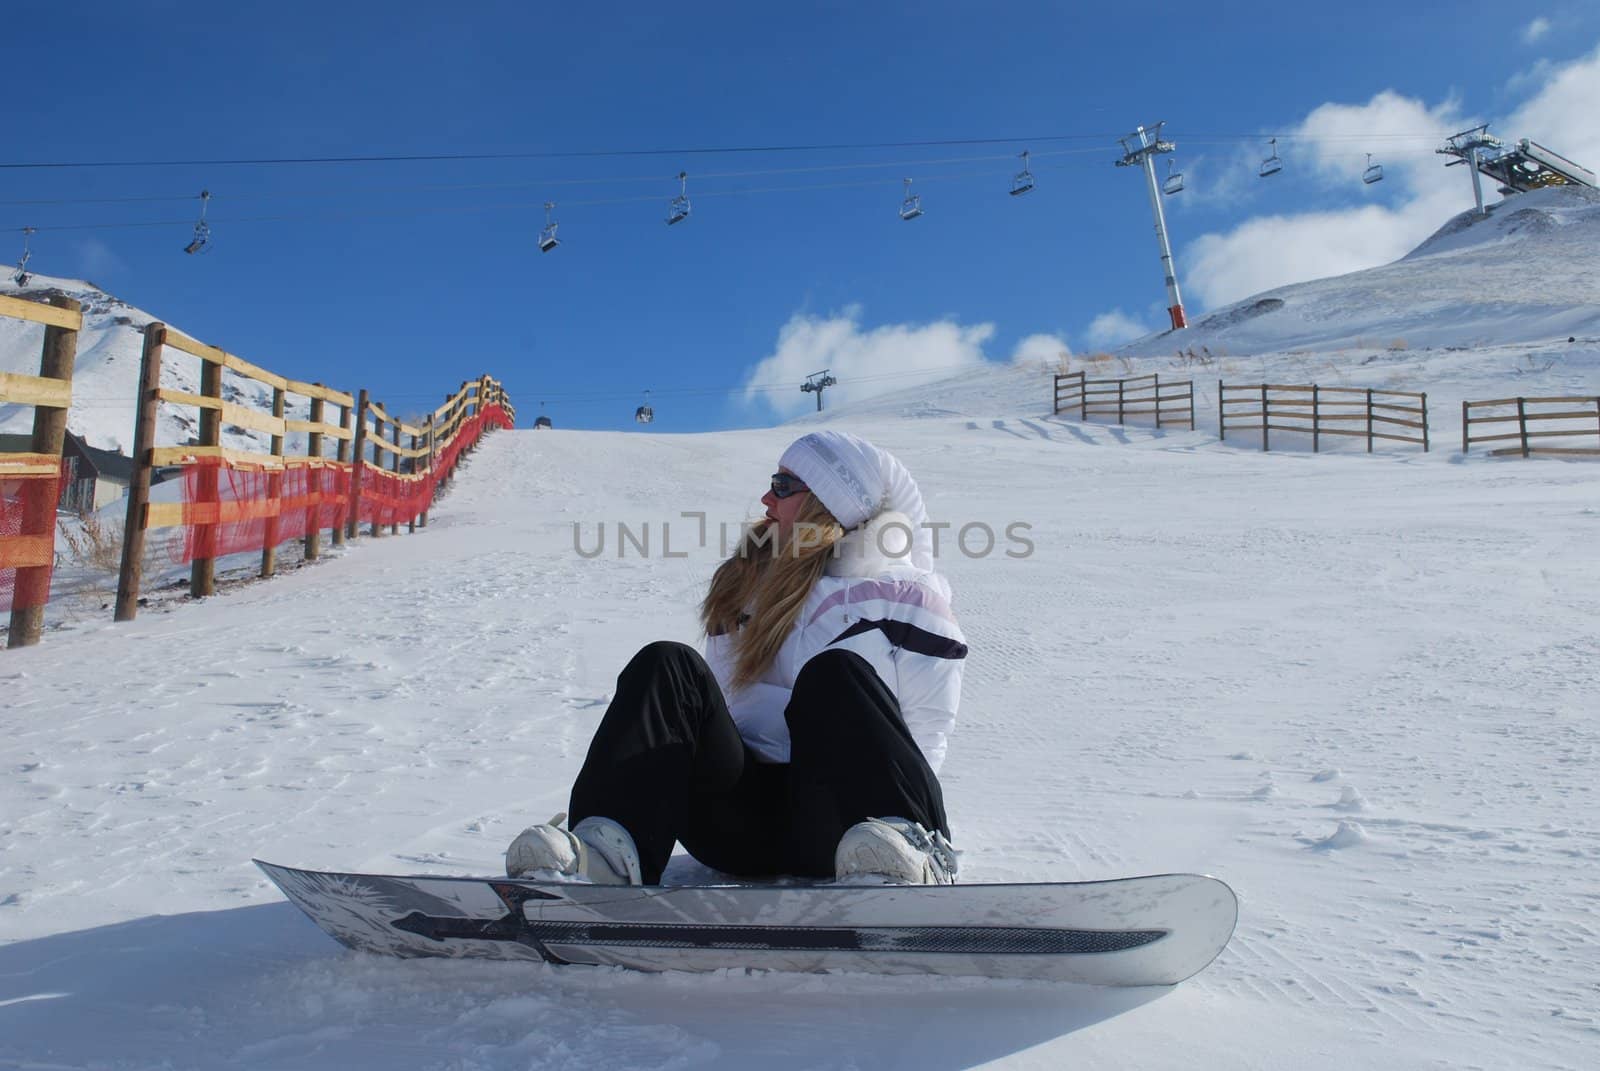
<point x="808" y="739"/>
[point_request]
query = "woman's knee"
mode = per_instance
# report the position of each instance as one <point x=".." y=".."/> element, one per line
<point x="664" y="652"/>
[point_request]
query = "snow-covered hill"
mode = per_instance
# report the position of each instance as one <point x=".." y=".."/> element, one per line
<point x="1528" y="271"/>
<point x="1361" y="690"/>
<point x="105" y="382"/>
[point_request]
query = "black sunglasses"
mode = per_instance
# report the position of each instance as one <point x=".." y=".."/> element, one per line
<point x="784" y="484"/>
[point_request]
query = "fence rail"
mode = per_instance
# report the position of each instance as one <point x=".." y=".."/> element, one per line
<point x="1574" y="423"/>
<point x="1170" y="402"/>
<point x="1317" y="411"/>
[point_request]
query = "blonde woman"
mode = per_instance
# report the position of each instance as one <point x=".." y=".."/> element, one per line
<point x="808" y="739"/>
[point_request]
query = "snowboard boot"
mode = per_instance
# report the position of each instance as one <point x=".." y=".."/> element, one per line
<point x="596" y="850"/>
<point x="894" y="851"/>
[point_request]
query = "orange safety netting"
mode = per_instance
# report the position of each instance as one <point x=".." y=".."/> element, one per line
<point x="228" y="509"/>
<point x="27" y="535"/>
<point x="231" y="508"/>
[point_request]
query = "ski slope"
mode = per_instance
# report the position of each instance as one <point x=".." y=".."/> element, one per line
<point x="1359" y="689"/>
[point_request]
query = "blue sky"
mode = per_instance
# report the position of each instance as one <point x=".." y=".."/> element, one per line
<point x="407" y="277"/>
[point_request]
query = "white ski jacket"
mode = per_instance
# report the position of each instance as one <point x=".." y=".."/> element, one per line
<point x="892" y="611"/>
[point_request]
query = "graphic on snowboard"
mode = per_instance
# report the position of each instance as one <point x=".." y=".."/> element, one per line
<point x="1133" y="931"/>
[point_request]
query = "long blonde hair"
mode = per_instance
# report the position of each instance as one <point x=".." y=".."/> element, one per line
<point x="771" y="581"/>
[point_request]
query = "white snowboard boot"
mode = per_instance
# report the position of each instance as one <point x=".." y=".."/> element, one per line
<point x="894" y="851"/>
<point x="596" y="850"/>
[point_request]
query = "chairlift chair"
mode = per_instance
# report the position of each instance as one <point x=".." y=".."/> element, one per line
<point x="1022" y="181"/>
<point x="542" y="421"/>
<point x="201" y="241"/>
<point x="1272" y="164"/>
<point x="911" y="207"/>
<point x="547" y="237"/>
<point x="644" y="414"/>
<point x="22" y="275"/>
<point x="678" y="210"/>
<point x="1174" y="182"/>
<point x="1373" y="173"/>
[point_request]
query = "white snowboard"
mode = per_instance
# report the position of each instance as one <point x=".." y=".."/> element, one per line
<point x="1155" y="930"/>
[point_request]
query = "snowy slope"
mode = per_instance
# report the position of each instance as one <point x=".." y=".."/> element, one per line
<point x="1529" y="271"/>
<point x="105" y="382"/>
<point x="1359" y="689"/>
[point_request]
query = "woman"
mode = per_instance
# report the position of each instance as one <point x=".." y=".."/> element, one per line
<point x="808" y="739"/>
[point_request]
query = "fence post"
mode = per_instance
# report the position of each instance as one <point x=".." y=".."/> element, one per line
<point x="269" y="548"/>
<point x="56" y="361"/>
<point x="203" y="571"/>
<point x="1191" y="405"/>
<point x="432" y="485"/>
<point x="1222" y="411"/>
<point x="1465" y="440"/>
<point x="314" y="475"/>
<point x="1316" y="420"/>
<point x="1597" y="415"/>
<point x="357" y="460"/>
<point x="1119" y="402"/>
<point x="131" y="576"/>
<point x="1522" y="423"/>
<point x="1158" y="401"/>
<point x="1083" y="395"/>
<point x="343" y="457"/>
<point x="394" y="515"/>
<point x="1369" y="420"/>
<point x="376" y="531"/>
<point x="1266" y="419"/>
<point x="412" y="523"/>
<point x="1424" y="422"/>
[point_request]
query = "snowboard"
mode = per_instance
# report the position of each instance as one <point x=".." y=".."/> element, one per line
<point x="1155" y="930"/>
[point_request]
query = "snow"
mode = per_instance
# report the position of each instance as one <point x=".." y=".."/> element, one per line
<point x="1359" y="689"/>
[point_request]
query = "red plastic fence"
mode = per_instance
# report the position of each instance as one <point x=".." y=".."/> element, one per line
<point x="232" y="508"/>
<point x="27" y="509"/>
<point x="228" y="509"/>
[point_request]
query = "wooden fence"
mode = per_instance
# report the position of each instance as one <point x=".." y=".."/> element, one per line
<point x="1171" y="402"/>
<point x="327" y="491"/>
<point x="1358" y="412"/>
<point x="1509" y="419"/>
<point x="30" y="482"/>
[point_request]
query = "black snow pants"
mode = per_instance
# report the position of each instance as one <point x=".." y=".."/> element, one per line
<point x="667" y="763"/>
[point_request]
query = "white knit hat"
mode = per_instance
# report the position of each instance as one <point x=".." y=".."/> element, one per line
<point x="846" y="472"/>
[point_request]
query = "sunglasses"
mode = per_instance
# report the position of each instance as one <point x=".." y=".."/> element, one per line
<point x="785" y="484"/>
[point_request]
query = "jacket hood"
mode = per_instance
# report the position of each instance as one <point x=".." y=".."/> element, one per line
<point x="889" y="543"/>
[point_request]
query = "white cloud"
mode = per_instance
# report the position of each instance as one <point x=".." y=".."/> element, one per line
<point x="1536" y="30"/>
<point x="1114" y="328"/>
<point x="1040" y="349"/>
<point x="1562" y="114"/>
<point x="1332" y="142"/>
<point x="867" y="362"/>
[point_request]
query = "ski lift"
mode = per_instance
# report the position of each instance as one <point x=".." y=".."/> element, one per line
<point x="644" y="414"/>
<point x="547" y="237"/>
<point x="21" y="276"/>
<point x="1174" y="183"/>
<point x="543" y="421"/>
<point x="911" y="207"/>
<point x="1022" y="181"/>
<point x="1373" y="173"/>
<point x="1272" y="164"/>
<point x="202" y="230"/>
<point x="678" y="210"/>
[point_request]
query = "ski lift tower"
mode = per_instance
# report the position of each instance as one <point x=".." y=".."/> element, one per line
<point x="1139" y="150"/>
<point x="1465" y="147"/>
<point x="816" y="383"/>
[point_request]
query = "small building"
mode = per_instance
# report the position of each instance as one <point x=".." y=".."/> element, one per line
<point x="95" y="477"/>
